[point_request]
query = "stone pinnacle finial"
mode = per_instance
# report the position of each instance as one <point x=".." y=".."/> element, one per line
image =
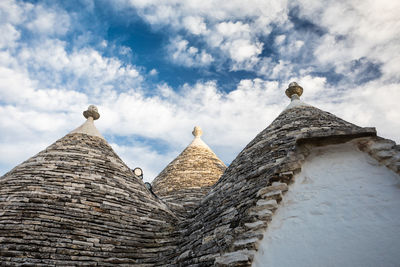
<point x="91" y="112"/>
<point x="294" y="90"/>
<point x="197" y="132"/>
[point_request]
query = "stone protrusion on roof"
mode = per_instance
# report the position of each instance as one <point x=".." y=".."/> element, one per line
<point x="88" y="127"/>
<point x="93" y="112"/>
<point x="197" y="132"/>
<point x="294" y="91"/>
<point x="76" y="203"/>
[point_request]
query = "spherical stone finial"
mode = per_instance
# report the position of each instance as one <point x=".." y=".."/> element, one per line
<point x="91" y="112"/>
<point x="197" y="132"/>
<point x="294" y="89"/>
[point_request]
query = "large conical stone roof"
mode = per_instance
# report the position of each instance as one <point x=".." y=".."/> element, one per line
<point x="77" y="203"/>
<point x="233" y="214"/>
<point x="196" y="167"/>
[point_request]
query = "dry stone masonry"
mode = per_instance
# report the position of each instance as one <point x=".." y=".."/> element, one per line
<point x="227" y="226"/>
<point x="189" y="176"/>
<point x="76" y="203"/>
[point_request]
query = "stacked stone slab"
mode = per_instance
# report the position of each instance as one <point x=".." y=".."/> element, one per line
<point x="189" y="176"/>
<point x="75" y="204"/>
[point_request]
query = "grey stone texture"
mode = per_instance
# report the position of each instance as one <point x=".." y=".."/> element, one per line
<point x="385" y="151"/>
<point x="181" y="202"/>
<point x="185" y="181"/>
<point x="76" y="203"/>
<point x="195" y="167"/>
<point x="227" y="225"/>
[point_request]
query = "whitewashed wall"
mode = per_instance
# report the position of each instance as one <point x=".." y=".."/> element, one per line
<point x="342" y="210"/>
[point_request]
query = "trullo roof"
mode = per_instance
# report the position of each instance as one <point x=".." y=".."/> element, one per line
<point x="185" y="181"/>
<point x="226" y="227"/>
<point x="196" y="167"/>
<point x="77" y="203"/>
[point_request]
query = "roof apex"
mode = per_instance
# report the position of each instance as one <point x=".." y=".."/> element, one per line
<point x="294" y="91"/>
<point x="197" y="131"/>
<point x="88" y="126"/>
<point x="197" y="141"/>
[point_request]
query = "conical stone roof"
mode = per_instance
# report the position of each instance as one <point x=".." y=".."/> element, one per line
<point x="77" y="203"/>
<point x="196" y="167"/>
<point x="231" y="217"/>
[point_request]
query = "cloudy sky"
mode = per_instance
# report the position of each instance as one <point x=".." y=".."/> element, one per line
<point x="156" y="68"/>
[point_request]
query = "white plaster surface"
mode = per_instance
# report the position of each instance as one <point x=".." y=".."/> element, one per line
<point x="296" y="103"/>
<point x="342" y="210"/>
<point x="88" y="128"/>
<point x="199" y="143"/>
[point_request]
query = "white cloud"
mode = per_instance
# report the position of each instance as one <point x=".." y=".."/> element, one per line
<point x="26" y="131"/>
<point x="280" y="39"/>
<point x="153" y="72"/>
<point x="126" y="51"/>
<point x="181" y="53"/>
<point x="365" y="29"/>
<point x="282" y="70"/>
<point x="18" y="89"/>
<point x="86" y="69"/>
<point x="8" y="36"/>
<point x="12" y="12"/>
<point x="231" y="29"/>
<point x="237" y="41"/>
<point x="243" y="51"/>
<point x="157" y="11"/>
<point x="316" y="87"/>
<point x="15" y="153"/>
<point x="195" y="25"/>
<point x="49" y="21"/>
<point x="365" y="106"/>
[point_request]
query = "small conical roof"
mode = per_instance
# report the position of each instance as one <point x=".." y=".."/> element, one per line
<point x="196" y="167"/>
<point x="77" y="203"/>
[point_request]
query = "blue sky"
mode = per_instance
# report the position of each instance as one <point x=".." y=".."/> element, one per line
<point x="155" y="69"/>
